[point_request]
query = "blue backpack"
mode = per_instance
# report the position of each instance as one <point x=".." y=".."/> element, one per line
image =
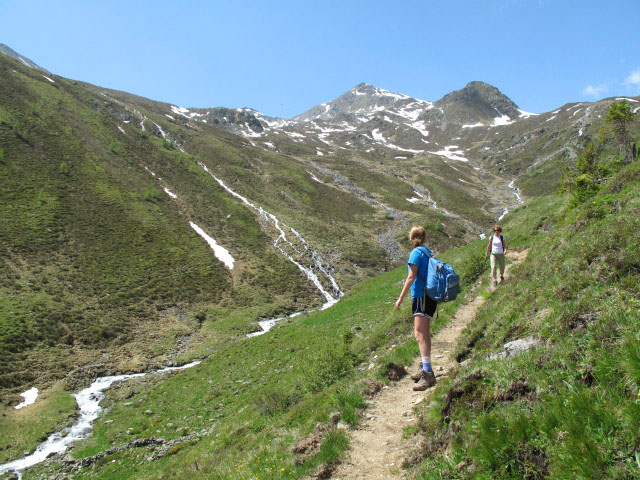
<point x="442" y="284"/>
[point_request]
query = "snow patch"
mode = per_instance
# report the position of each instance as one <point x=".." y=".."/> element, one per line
<point x="474" y="125"/>
<point x="420" y="127"/>
<point x="220" y="252"/>
<point x="48" y="79"/>
<point x="164" y="135"/>
<point x="378" y="137"/>
<point x="502" y="120"/>
<point x="524" y="114"/>
<point x="313" y="177"/>
<point x="29" y="396"/>
<point x="168" y="192"/>
<point x="180" y="111"/>
<point x="452" y="154"/>
<point x="121" y="129"/>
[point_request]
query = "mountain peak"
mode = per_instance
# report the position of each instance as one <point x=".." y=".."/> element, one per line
<point x="22" y="59"/>
<point x="361" y="100"/>
<point x="478" y="101"/>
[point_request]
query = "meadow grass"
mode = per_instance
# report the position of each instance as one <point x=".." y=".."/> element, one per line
<point x="569" y="408"/>
<point x="268" y="390"/>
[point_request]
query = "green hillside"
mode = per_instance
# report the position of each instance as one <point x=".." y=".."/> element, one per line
<point x="566" y="409"/>
<point x="96" y="255"/>
<point x="101" y="272"/>
<point x="239" y="413"/>
<point x="569" y="408"/>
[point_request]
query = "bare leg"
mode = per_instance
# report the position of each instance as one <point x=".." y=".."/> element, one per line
<point x="421" y="329"/>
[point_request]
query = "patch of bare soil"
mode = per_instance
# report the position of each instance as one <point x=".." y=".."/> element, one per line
<point x="378" y="449"/>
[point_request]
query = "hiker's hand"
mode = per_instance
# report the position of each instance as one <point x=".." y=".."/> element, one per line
<point x="398" y="303"/>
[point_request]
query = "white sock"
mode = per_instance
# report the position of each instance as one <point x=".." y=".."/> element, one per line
<point x="426" y="359"/>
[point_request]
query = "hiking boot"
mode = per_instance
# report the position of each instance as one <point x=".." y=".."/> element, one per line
<point x="418" y="375"/>
<point x="501" y="279"/>
<point x="427" y="379"/>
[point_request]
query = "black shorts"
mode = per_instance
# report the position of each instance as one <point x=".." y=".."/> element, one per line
<point x="424" y="306"/>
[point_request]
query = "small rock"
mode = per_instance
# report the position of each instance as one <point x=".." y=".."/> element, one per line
<point x="342" y="426"/>
<point x="148" y="412"/>
<point x="334" y="417"/>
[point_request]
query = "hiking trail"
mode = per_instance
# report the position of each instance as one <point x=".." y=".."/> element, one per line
<point x="378" y="448"/>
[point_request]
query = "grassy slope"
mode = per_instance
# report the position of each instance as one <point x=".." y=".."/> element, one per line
<point x="577" y="416"/>
<point x="579" y="292"/>
<point x="95" y="253"/>
<point x="261" y="394"/>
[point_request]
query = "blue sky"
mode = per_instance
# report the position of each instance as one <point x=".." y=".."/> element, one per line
<point x="283" y="57"/>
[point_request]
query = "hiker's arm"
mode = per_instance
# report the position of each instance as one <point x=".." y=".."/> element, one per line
<point x="407" y="284"/>
<point x="486" y="255"/>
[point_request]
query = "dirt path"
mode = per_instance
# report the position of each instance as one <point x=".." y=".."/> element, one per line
<point x="378" y="447"/>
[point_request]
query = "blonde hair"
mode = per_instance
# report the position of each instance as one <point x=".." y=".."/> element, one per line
<point x="417" y="236"/>
<point x="497" y="228"/>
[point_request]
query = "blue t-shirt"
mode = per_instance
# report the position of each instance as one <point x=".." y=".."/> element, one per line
<point x="419" y="258"/>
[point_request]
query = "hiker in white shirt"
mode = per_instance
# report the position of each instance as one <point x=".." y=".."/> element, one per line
<point x="497" y="247"/>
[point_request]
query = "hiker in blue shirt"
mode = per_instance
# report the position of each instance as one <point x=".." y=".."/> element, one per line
<point x="422" y="306"/>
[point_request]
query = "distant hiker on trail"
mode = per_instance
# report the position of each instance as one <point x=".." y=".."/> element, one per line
<point x="422" y="306"/>
<point x="497" y="247"/>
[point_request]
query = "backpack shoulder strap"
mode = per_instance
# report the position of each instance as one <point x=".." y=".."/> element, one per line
<point x="427" y="253"/>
